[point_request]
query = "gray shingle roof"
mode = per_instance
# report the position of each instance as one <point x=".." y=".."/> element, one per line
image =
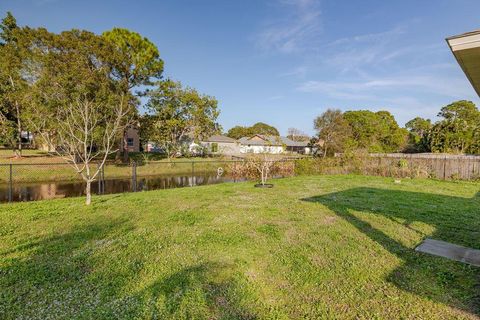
<point x="220" y="138"/>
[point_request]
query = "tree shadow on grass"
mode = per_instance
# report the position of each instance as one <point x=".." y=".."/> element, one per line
<point x="39" y="278"/>
<point x="197" y="292"/>
<point x="72" y="274"/>
<point x="454" y="219"/>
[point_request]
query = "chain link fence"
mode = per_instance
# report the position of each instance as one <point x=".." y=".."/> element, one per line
<point x="29" y="182"/>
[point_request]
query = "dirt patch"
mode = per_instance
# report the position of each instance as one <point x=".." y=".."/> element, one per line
<point x="328" y="220"/>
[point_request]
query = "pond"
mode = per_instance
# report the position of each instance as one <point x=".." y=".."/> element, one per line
<point x="64" y="189"/>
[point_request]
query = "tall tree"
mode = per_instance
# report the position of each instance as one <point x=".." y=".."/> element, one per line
<point x="136" y="63"/>
<point x="75" y="105"/>
<point x="393" y="138"/>
<point x="12" y="81"/>
<point x="262" y="128"/>
<point x="238" y="132"/>
<point x="177" y="114"/>
<point x="375" y="131"/>
<point x="333" y="130"/>
<point x="419" y="130"/>
<point x="458" y="130"/>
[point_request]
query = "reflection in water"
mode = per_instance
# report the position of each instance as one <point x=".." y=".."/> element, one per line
<point x="51" y="190"/>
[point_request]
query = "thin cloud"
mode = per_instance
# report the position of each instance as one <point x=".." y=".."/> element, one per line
<point x="368" y="37"/>
<point x="364" y="90"/>
<point x="273" y="98"/>
<point x="359" y="51"/>
<point x="40" y="3"/>
<point x="295" y="31"/>
<point x="299" y="72"/>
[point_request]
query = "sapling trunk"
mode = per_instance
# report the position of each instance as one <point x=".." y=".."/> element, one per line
<point x="19" y="131"/>
<point x="88" y="193"/>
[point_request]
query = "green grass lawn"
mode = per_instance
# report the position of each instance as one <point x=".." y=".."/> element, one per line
<point x="311" y="247"/>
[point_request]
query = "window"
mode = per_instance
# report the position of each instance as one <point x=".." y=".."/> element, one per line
<point x="214" y="147"/>
<point x="130" y="142"/>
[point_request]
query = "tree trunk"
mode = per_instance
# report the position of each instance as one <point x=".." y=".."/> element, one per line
<point x="118" y="154"/>
<point x="264" y="174"/>
<point x="19" y="131"/>
<point x="88" y="192"/>
<point x="125" y="147"/>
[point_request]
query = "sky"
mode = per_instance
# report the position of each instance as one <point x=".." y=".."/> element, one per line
<point x="284" y="62"/>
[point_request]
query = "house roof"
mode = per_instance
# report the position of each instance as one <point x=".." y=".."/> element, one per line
<point x="466" y="49"/>
<point x="271" y="141"/>
<point x="220" y="138"/>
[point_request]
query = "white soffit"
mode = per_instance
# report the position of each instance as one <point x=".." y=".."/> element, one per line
<point x="466" y="49"/>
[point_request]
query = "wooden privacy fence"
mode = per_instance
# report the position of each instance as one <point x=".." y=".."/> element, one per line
<point x="441" y="166"/>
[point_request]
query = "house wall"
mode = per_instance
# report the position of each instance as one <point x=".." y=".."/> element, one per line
<point x="132" y="133"/>
<point x="223" y="147"/>
<point x="261" y="149"/>
<point x="296" y="149"/>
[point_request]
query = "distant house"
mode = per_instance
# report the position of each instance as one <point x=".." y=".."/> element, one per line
<point x="296" y="146"/>
<point x="271" y="144"/>
<point x="132" y="139"/>
<point x="223" y="145"/>
<point x="218" y="144"/>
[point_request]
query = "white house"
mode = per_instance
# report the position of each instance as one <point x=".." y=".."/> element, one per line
<point x="223" y="145"/>
<point x="271" y="144"/>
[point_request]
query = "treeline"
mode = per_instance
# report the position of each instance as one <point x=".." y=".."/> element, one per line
<point x="238" y="132"/>
<point x="457" y="131"/>
<point x="43" y="75"/>
<point x="262" y="128"/>
<point x="79" y="92"/>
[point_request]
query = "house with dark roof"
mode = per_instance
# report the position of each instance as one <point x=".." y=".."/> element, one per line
<point x="271" y="144"/>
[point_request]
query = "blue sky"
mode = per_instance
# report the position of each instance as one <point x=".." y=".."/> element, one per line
<point x="286" y="61"/>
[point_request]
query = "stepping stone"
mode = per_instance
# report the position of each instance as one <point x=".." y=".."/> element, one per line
<point x="450" y="251"/>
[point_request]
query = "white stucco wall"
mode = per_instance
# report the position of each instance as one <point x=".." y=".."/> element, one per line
<point x="261" y="149"/>
<point x="223" y="147"/>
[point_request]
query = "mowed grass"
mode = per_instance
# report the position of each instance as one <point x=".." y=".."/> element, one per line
<point x="311" y="247"/>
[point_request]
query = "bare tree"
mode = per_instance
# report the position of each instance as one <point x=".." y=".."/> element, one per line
<point x="263" y="163"/>
<point x="85" y="134"/>
<point x="295" y="134"/>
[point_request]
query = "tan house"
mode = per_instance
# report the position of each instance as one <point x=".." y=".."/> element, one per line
<point x="132" y="138"/>
<point x="218" y="144"/>
<point x="466" y="49"/>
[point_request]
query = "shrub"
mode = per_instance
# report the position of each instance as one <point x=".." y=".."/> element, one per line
<point x="252" y="168"/>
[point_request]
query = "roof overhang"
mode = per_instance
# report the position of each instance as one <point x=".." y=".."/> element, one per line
<point x="466" y="49"/>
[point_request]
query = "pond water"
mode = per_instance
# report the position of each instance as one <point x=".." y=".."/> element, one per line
<point x="52" y="190"/>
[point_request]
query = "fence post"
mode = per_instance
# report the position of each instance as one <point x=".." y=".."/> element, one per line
<point x="234" y="170"/>
<point x="193" y="173"/>
<point x="103" y="179"/>
<point x="445" y="168"/>
<point x="10" y="185"/>
<point x="134" y="176"/>
<point x="99" y="178"/>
